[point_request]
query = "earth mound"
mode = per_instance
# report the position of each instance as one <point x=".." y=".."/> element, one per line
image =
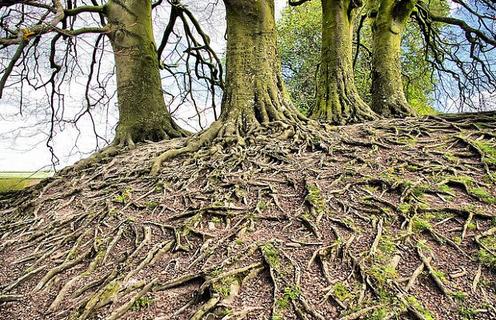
<point x="392" y="219"/>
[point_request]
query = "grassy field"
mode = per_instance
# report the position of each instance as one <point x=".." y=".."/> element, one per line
<point x="10" y="181"/>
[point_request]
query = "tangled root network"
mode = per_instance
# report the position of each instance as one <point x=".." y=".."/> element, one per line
<point x="392" y="219"/>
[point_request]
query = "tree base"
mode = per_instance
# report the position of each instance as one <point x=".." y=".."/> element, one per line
<point x="377" y="225"/>
<point x="237" y="132"/>
<point x="393" y="109"/>
<point x="342" y="112"/>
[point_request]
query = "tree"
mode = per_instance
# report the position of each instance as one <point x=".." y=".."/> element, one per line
<point x="300" y="32"/>
<point x="254" y="93"/>
<point x="390" y="20"/>
<point x="338" y="100"/>
<point x="143" y="114"/>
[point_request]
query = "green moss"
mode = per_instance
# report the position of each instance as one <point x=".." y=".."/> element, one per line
<point x="472" y="188"/>
<point x="420" y="189"/>
<point x="485" y="256"/>
<point x="413" y="302"/>
<point x="445" y="188"/>
<point x="459" y="295"/>
<point x="382" y="273"/>
<point x="450" y="157"/>
<point x="262" y="205"/>
<point x="110" y="291"/>
<point x="271" y="255"/>
<point x="457" y="240"/>
<point x="404" y="207"/>
<point x="216" y="220"/>
<point x="370" y="188"/>
<point x="420" y="224"/>
<point x="386" y="245"/>
<point x="124" y="196"/>
<point x="315" y="198"/>
<point x="215" y="273"/>
<point x="159" y="187"/>
<point x="223" y="286"/>
<point x="422" y="245"/>
<point x="487" y="149"/>
<point x="441" y="275"/>
<point x="379" y="314"/>
<point x="341" y="291"/>
<point x="142" y="303"/>
<point x="467" y="313"/>
<point x="151" y="204"/>
<point x="483" y="195"/>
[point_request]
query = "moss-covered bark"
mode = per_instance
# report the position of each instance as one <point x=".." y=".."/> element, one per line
<point x="390" y="18"/>
<point x="338" y="100"/>
<point x="142" y="111"/>
<point x="254" y="92"/>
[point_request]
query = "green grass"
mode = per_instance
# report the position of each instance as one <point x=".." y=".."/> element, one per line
<point x="11" y="181"/>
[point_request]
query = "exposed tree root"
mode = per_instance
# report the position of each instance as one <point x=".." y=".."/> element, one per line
<point x="390" y="219"/>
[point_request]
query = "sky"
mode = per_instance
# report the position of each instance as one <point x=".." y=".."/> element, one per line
<point x="23" y="129"/>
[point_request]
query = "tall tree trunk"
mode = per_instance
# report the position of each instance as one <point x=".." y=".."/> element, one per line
<point x="254" y="92"/>
<point x="388" y="97"/>
<point x="338" y="100"/>
<point x="143" y="114"/>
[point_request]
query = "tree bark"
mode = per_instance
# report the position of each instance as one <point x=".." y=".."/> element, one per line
<point x="388" y="97"/>
<point x="338" y="100"/>
<point x="143" y="114"/>
<point x="255" y="93"/>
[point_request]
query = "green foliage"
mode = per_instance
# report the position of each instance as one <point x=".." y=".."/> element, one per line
<point x="299" y="44"/>
<point x="290" y="294"/>
<point x="299" y="40"/>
